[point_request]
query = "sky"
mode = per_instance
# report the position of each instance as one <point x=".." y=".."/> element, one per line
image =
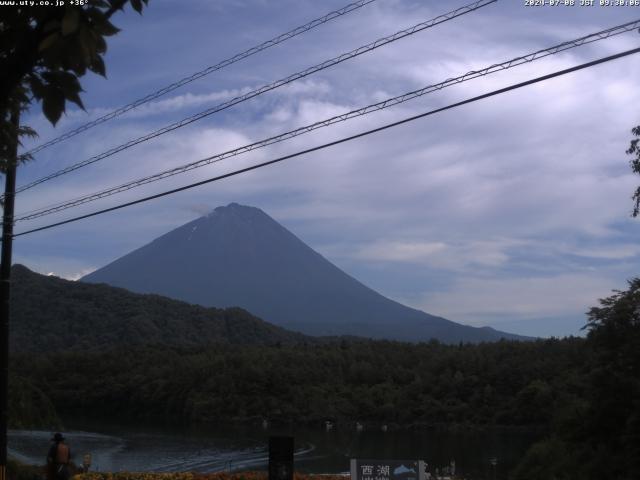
<point x="512" y="212"/>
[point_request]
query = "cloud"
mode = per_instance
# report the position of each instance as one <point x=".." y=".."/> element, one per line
<point x="607" y="252"/>
<point x="188" y="100"/>
<point x="401" y="251"/>
<point x="200" y="209"/>
<point x="482" y="300"/>
<point x="439" y="254"/>
<point x="65" y="267"/>
<point x="78" y="275"/>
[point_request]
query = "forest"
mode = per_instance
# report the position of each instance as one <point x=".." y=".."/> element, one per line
<point x="49" y="314"/>
<point x="504" y="383"/>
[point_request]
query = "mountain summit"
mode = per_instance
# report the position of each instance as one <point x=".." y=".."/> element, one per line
<point x="239" y="256"/>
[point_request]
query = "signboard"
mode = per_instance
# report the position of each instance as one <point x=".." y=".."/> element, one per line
<point x="387" y="469"/>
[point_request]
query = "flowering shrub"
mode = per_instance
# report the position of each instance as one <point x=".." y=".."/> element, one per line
<point x="196" y="476"/>
<point x="133" y="476"/>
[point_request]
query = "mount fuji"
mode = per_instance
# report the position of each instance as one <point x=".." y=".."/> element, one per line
<point x="239" y="256"/>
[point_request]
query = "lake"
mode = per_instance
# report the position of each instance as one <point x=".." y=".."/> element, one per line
<point x="169" y="449"/>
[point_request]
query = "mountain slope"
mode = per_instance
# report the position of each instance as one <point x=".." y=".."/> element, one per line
<point x="50" y="314"/>
<point x="239" y="256"/>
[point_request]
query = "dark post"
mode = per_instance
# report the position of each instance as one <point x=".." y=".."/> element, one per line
<point x="5" y="291"/>
<point x="494" y="462"/>
<point x="280" y="458"/>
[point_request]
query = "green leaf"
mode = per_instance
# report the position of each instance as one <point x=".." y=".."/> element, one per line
<point x="79" y="68"/>
<point x="51" y="25"/>
<point x="67" y="83"/>
<point x="51" y="55"/>
<point x="53" y="105"/>
<point x="37" y="87"/>
<point x="27" y="131"/>
<point x="100" y="45"/>
<point x="97" y="66"/>
<point x="74" y="60"/>
<point x="48" y="41"/>
<point x="85" y="37"/>
<point x="75" y="98"/>
<point x="94" y="14"/>
<point x="137" y="5"/>
<point x="106" y="28"/>
<point x="70" y="21"/>
<point x="71" y="88"/>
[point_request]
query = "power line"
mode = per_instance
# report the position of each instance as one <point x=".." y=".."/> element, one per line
<point x="218" y="66"/>
<point x="268" y="87"/>
<point x="342" y="140"/>
<point x="336" y="119"/>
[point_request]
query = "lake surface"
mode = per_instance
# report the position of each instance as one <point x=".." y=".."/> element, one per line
<point x="170" y="449"/>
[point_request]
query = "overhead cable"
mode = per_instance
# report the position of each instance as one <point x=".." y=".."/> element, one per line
<point x="266" y="88"/>
<point x="218" y="66"/>
<point x="330" y="121"/>
<point x="337" y="142"/>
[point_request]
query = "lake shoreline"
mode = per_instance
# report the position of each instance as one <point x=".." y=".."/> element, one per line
<point x="207" y="449"/>
<point x="283" y="424"/>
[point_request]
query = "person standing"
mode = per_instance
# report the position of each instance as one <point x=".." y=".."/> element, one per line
<point x="58" y="459"/>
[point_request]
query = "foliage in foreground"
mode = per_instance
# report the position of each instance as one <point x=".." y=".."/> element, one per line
<point x="602" y="440"/>
<point x="46" y="49"/>
<point x="20" y="471"/>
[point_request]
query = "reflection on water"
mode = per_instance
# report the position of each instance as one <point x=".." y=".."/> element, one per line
<point x="117" y="448"/>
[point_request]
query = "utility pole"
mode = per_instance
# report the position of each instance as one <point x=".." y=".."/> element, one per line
<point x="5" y="288"/>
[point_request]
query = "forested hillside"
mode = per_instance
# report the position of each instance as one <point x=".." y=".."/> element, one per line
<point x="51" y="314"/>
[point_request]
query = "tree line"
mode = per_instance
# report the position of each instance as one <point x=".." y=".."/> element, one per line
<point x="429" y="384"/>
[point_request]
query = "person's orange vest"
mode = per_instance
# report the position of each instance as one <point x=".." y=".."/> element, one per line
<point x="62" y="454"/>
